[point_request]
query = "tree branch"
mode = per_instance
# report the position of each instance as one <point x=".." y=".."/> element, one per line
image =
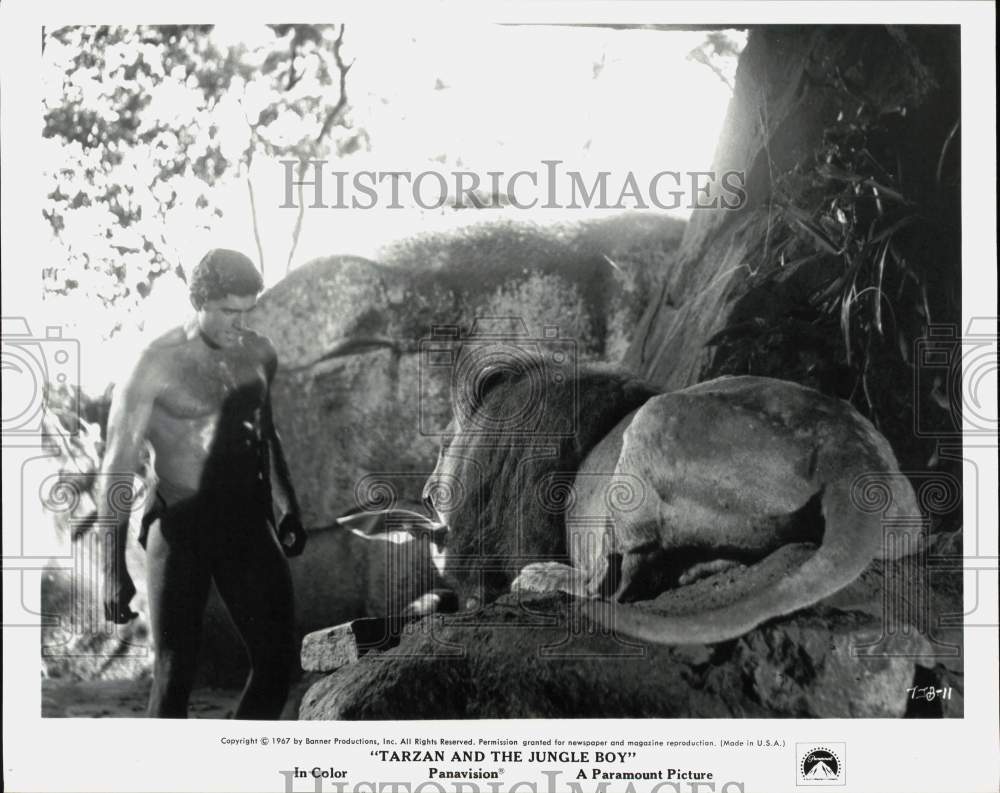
<point x="331" y="117"/>
<point x="256" y="225"/>
<point x="343" y="69"/>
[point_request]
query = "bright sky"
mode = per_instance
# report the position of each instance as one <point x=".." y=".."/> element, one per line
<point x="512" y="97"/>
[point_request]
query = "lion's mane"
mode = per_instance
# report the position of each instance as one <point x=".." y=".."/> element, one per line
<point x="516" y="480"/>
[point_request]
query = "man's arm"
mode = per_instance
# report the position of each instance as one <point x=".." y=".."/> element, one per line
<point x="131" y="408"/>
<point x="291" y="533"/>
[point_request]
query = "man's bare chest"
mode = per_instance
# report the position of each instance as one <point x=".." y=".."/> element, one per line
<point x="213" y="385"/>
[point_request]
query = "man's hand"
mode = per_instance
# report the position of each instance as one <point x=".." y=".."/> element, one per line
<point x="118" y="592"/>
<point x="291" y="535"/>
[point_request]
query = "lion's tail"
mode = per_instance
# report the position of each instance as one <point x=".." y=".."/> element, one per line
<point x="852" y="539"/>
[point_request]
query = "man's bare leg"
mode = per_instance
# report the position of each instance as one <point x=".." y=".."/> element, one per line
<point x="178" y="581"/>
<point x="255" y="583"/>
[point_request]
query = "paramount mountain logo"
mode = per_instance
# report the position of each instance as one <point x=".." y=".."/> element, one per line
<point x="821" y="764"/>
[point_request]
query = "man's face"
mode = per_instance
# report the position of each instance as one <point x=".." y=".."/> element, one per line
<point x="223" y="321"/>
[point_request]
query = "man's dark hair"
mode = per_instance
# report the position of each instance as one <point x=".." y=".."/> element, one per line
<point x="223" y="272"/>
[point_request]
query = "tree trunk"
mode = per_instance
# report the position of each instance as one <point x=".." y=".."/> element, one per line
<point x="793" y="85"/>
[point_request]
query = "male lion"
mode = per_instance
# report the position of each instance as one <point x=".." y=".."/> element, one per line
<point x="605" y="488"/>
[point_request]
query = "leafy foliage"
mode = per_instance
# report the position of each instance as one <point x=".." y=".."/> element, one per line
<point x="146" y="123"/>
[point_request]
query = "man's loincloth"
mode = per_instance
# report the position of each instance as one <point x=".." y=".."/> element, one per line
<point x="232" y="493"/>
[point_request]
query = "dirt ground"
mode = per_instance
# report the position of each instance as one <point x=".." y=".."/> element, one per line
<point x="127" y="699"/>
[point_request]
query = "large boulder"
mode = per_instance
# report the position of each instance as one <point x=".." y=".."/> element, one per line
<point x="358" y="400"/>
<point x="533" y="656"/>
<point x="497" y="664"/>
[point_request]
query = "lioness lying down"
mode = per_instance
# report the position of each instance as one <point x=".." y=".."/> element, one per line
<point x="611" y="492"/>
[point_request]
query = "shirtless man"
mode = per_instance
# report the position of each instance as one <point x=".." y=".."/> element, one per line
<point x="200" y="395"/>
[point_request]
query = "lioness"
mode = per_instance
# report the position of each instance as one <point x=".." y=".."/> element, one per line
<point x="610" y="489"/>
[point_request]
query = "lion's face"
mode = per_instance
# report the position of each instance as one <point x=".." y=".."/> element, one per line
<point x="483" y="489"/>
<point x="437" y="491"/>
<point x="498" y="459"/>
<point x="448" y="493"/>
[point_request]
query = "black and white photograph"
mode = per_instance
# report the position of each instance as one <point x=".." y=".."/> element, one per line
<point x="552" y="398"/>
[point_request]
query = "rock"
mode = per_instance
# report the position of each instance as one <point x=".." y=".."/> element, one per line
<point x="331" y="648"/>
<point x="811" y="667"/>
<point x="315" y="307"/>
<point x="534" y="659"/>
<point x="362" y="424"/>
<point x="953" y="704"/>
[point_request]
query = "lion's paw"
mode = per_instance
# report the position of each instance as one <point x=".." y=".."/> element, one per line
<point x="549" y="577"/>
